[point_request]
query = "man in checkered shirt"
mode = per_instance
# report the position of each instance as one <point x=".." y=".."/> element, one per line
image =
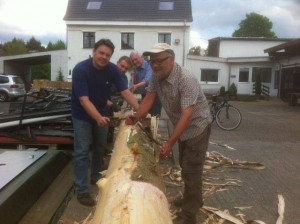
<point x="186" y="106"/>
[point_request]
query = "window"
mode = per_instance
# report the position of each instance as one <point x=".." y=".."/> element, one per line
<point x="88" y="39"/>
<point x="244" y="75"/>
<point x="164" y="38"/>
<point x="4" y="79"/>
<point x="93" y="5"/>
<point x="166" y="6"/>
<point x="127" y="41"/>
<point x="264" y="73"/>
<point x="209" y="75"/>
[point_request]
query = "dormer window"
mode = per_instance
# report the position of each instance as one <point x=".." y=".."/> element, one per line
<point x="166" y="6"/>
<point x="93" y="5"/>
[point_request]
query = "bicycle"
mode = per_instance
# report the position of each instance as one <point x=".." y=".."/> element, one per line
<point x="226" y="116"/>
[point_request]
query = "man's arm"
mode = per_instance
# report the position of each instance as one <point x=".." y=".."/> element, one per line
<point x="92" y="111"/>
<point x="143" y="108"/>
<point x="129" y="97"/>
<point x="138" y="85"/>
<point x="179" y="129"/>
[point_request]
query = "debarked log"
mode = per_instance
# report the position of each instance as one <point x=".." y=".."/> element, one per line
<point x="124" y="199"/>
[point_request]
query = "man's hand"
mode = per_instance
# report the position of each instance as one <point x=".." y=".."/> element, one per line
<point x="103" y="121"/>
<point x="165" y="150"/>
<point x="130" y="120"/>
<point x="133" y="88"/>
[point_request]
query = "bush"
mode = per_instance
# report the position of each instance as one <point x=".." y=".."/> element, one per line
<point x="232" y="91"/>
<point x="60" y="76"/>
<point x="222" y="91"/>
<point x="258" y="85"/>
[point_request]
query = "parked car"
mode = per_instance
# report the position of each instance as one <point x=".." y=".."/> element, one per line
<point x="11" y="87"/>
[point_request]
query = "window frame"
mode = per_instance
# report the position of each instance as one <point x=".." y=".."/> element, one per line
<point x="204" y="70"/>
<point x="167" y="38"/>
<point x="127" y="46"/>
<point x="166" y="6"/>
<point x="240" y="70"/>
<point x="88" y="41"/>
<point x="265" y="78"/>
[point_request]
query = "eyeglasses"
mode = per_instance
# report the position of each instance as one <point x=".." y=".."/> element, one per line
<point x="158" y="61"/>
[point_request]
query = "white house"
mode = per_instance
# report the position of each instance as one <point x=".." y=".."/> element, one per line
<point x="130" y="25"/>
<point x="138" y="24"/>
<point x="238" y="61"/>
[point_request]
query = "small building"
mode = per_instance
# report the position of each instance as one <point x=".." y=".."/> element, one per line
<point x="239" y="61"/>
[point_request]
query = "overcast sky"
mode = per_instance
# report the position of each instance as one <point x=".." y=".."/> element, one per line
<point x="43" y="19"/>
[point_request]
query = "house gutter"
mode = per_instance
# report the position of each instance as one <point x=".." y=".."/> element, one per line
<point x="183" y="53"/>
<point x="229" y="77"/>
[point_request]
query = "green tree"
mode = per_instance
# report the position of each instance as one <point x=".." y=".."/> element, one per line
<point x="232" y="91"/>
<point x="58" y="45"/>
<point x="34" y="45"/>
<point x="222" y="91"/>
<point x="195" y="50"/>
<point x="255" y="25"/>
<point x="41" y="72"/>
<point x="16" y="46"/>
<point x="60" y="76"/>
<point x="258" y="89"/>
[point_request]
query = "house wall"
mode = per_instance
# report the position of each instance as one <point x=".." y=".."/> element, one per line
<point x="59" y="63"/>
<point x="144" y="38"/>
<point x="244" y="48"/>
<point x="247" y="87"/>
<point x="229" y="73"/>
<point x="196" y="63"/>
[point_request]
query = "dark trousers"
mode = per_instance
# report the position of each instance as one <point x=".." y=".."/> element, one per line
<point x="191" y="158"/>
<point x="156" y="107"/>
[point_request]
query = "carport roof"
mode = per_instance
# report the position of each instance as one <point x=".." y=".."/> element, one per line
<point x="290" y="48"/>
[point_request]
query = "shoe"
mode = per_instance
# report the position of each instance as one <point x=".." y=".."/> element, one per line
<point x="94" y="180"/>
<point x="86" y="199"/>
<point x="178" y="202"/>
<point x="180" y="220"/>
<point x="183" y="219"/>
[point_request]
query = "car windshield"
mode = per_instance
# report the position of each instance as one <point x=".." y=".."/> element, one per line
<point x="18" y="80"/>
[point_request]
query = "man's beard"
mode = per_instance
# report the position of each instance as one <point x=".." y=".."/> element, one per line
<point x="162" y="76"/>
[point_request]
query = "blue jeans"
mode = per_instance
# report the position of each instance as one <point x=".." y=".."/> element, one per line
<point x="87" y="136"/>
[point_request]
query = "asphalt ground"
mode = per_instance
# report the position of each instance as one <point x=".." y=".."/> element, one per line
<point x="269" y="134"/>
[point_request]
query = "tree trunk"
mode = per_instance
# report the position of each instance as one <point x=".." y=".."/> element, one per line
<point x="132" y="191"/>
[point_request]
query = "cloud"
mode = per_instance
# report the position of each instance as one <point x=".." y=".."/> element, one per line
<point x="220" y="18"/>
<point x="41" y="19"/>
<point x="212" y="18"/>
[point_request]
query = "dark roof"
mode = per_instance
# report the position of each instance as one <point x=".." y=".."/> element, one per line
<point x="129" y="10"/>
<point x="250" y="38"/>
<point x="291" y="48"/>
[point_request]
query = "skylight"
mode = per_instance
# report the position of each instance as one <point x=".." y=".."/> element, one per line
<point x="94" y="5"/>
<point x="166" y="6"/>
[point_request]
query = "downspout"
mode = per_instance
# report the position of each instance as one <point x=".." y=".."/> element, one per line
<point x="228" y="86"/>
<point x="183" y="53"/>
<point x="279" y="80"/>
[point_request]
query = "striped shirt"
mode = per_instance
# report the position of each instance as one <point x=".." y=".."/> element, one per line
<point x="179" y="91"/>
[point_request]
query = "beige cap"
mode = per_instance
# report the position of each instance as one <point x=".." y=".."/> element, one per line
<point x="158" y="48"/>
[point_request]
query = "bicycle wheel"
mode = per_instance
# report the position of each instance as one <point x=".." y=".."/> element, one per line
<point x="228" y="118"/>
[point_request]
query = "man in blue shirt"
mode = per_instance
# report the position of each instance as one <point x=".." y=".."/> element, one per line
<point x="142" y="75"/>
<point x="91" y="88"/>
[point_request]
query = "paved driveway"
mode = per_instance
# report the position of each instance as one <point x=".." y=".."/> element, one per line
<point x="269" y="134"/>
